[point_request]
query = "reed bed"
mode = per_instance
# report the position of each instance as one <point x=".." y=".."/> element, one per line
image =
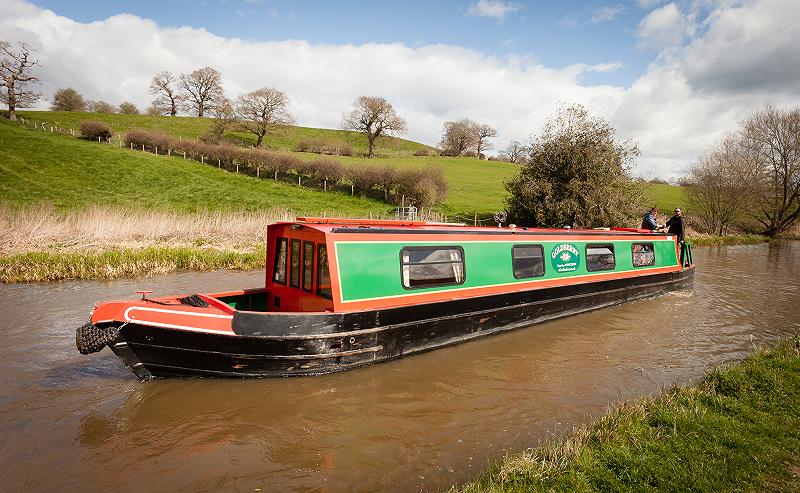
<point x="36" y="229"/>
<point x="738" y="429"/>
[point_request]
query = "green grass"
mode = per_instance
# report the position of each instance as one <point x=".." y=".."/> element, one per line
<point x="666" y="197"/>
<point x="474" y="186"/>
<point x="193" y="127"/>
<point x="111" y="264"/>
<point x="736" y="430"/>
<point x="37" y="166"/>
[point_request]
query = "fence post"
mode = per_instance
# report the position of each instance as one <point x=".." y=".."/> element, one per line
<point x="156" y="150"/>
<point x="184" y="154"/>
<point x="298" y="181"/>
<point x="131" y="145"/>
<point x="475" y="219"/>
<point x="219" y="163"/>
<point x="142" y="147"/>
<point x="169" y="152"/>
<point x="119" y="137"/>
<point x="98" y="140"/>
<point x="352" y="189"/>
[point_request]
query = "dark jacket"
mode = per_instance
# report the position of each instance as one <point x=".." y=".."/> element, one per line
<point x="677" y="227"/>
<point x="649" y="222"/>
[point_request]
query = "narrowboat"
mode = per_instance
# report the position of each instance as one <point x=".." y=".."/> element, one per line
<point x="340" y="294"/>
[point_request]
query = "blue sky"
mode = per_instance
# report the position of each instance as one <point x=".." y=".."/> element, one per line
<point x="674" y="76"/>
<point x="556" y="34"/>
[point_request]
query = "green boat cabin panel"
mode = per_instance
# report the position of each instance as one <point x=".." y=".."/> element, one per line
<point x="371" y="270"/>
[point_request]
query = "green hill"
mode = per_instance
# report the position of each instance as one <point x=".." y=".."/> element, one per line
<point x="189" y="127"/>
<point x="474" y="186"/>
<point x="72" y="173"/>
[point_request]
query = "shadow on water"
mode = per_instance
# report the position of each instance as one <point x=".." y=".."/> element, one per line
<point x="419" y="423"/>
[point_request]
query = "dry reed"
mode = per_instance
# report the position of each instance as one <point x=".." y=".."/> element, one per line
<point x="44" y="229"/>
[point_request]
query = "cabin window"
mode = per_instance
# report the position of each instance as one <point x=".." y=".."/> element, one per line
<point x="644" y="254"/>
<point x="279" y="271"/>
<point x="323" y="273"/>
<point x="527" y="261"/>
<point x="600" y="257"/>
<point x="424" y="267"/>
<point x="294" y="265"/>
<point x="308" y="266"/>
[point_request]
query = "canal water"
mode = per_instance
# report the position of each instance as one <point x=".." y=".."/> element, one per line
<point x="73" y="423"/>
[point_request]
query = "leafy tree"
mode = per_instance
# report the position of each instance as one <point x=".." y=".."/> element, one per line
<point x="68" y="99"/>
<point x="261" y="109"/>
<point x="373" y="116"/>
<point x="577" y="175"/>
<point x="128" y="108"/>
<point x="15" y="76"/>
<point x="202" y="89"/>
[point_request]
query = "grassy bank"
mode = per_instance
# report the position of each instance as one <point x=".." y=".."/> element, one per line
<point x="736" y="430"/>
<point x="126" y="262"/>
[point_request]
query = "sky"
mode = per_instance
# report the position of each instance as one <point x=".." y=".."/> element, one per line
<point x="674" y="77"/>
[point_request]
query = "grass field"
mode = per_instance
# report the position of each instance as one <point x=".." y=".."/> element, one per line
<point x="736" y="430"/>
<point x="474" y="186"/>
<point x="70" y="173"/>
<point x="192" y="128"/>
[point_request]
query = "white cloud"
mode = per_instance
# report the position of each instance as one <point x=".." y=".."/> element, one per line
<point x="690" y="96"/>
<point x="662" y="28"/>
<point x="607" y="13"/>
<point x="496" y="9"/>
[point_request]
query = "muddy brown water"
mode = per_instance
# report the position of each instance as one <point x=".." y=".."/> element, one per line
<point x="73" y="423"/>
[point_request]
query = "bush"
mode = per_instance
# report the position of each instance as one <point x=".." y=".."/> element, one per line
<point x="363" y="178"/>
<point x="324" y="146"/>
<point x="329" y="171"/>
<point x="424" y="151"/>
<point x="91" y="129"/>
<point x="150" y="139"/>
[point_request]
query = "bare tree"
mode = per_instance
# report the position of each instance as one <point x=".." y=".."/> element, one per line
<point x="261" y="109"/>
<point x="168" y="99"/>
<point x="128" y="108"/>
<point x="15" y="75"/>
<point x="459" y="137"/>
<point x="224" y="119"/>
<point x="514" y="153"/>
<point x="154" y="111"/>
<point x="68" y="99"/>
<point x="771" y="140"/>
<point x="100" y="107"/>
<point x="202" y="89"/>
<point x="483" y="133"/>
<point x="720" y="186"/>
<point x="373" y="116"/>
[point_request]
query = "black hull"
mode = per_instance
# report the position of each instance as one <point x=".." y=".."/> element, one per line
<point x="271" y="345"/>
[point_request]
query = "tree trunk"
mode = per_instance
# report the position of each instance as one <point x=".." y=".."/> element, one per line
<point x="371" y="145"/>
<point x="260" y="137"/>
<point x="12" y="113"/>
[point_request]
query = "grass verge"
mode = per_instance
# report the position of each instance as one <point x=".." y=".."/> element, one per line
<point x="736" y="430"/>
<point x="127" y="262"/>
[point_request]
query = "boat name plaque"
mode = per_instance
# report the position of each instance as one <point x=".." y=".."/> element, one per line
<point x="565" y="258"/>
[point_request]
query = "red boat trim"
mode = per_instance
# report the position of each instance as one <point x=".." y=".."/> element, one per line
<point x="129" y="318"/>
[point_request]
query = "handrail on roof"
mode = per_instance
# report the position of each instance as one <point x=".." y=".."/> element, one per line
<point x="372" y="222"/>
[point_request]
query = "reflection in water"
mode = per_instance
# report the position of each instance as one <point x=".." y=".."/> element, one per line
<point x="69" y="421"/>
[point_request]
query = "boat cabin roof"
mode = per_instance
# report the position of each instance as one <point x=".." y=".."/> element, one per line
<point x="335" y="226"/>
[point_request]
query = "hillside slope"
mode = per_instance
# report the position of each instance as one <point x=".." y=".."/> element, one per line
<point x="72" y="173"/>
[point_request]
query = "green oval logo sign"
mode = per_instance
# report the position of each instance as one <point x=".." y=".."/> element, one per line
<point x="565" y="258"/>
